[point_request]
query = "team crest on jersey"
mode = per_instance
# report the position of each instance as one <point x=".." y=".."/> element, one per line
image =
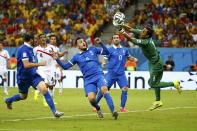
<point x="91" y="53"/>
<point x="87" y="58"/>
<point x="123" y="52"/>
<point x="24" y="54"/>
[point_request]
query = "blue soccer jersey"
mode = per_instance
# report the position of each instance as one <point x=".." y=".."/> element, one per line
<point x="87" y="61"/>
<point x="26" y="77"/>
<point x="116" y="59"/>
<point x="90" y="67"/>
<point x="25" y="51"/>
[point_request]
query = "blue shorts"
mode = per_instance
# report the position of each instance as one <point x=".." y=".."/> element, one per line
<point x="113" y="78"/>
<point x="93" y="86"/>
<point x="23" y="85"/>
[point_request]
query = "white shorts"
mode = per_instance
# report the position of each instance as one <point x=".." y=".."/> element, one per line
<point x="48" y="76"/>
<point x="58" y="75"/>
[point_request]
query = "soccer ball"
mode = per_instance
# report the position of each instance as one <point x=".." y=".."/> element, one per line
<point x="118" y="19"/>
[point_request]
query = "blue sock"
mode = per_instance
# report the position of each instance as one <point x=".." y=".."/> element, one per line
<point x="123" y="99"/>
<point x="109" y="102"/>
<point x="94" y="104"/>
<point x="49" y="101"/>
<point x="16" y="97"/>
<point x="99" y="96"/>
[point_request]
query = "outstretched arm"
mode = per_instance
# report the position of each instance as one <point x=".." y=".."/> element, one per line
<point x="130" y="29"/>
<point x="104" y="48"/>
<point x="65" y="66"/>
<point x="60" y="54"/>
<point x="135" y="41"/>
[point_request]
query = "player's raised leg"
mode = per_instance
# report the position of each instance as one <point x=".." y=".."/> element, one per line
<point x="15" y="98"/>
<point x="109" y="101"/>
<point x="154" y="82"/>
<point x="23" y="87"/>
<point x="90" y="90"/>
<point x="91" y="98"/>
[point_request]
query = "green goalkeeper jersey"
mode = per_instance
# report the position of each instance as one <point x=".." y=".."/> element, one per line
<point x="148" y="48"/>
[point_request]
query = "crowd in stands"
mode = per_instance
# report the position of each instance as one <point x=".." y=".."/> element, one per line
<point x="66" y="18"/>
<point x="174" y="22"/>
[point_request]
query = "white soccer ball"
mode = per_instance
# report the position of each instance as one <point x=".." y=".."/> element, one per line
<point x="118" y="19"/>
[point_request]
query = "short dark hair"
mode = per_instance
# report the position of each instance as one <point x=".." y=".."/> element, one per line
<point x="41" y="35"/>
<point x="77" y="40"/>
<point x="28" y="37"/>
<point x="149" y="29"/>
<point x="52" y="36"/>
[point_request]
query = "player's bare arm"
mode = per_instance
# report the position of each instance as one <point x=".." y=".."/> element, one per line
<point x="127" y="27"/>
<point x="60" y="54"/>
<point x="123" y="32"/>
<point x="55" y="55"/>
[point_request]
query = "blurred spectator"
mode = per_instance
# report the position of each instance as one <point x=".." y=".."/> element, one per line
<point x="62" y="17"/>
<point x="131" y="65"/>
<point x="193" y="67"/>
<point x="12" y="62"/>
<point x="169" y="64"/>
<point x="174" y="21"/>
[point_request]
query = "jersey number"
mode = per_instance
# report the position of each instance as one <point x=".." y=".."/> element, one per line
<point x="41" y="55"/>
<point x="120" y="57"/>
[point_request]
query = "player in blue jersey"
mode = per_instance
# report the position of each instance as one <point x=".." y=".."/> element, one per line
<point x="116" y="69"/>
<point x="87" y="60"/>
<point x="27" y="75"/>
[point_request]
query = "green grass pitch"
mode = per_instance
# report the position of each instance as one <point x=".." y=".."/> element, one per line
<point x="179" y="113"/>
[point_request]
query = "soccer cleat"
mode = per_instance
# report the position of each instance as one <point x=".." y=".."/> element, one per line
<point x="123" y="109"/>
<point x="156" y="105"/>
<point x="58" y="114"/>
<point x="115" y="115"/>
<point x="177" y="85"/>
<point x="100" y="114"/>
<point x="9" y="105"/>
<point x="36" y="95"/>
<point x="94" y="109"/>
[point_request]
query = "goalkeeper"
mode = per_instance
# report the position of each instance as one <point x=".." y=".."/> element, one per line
<point x="154" y="60"/>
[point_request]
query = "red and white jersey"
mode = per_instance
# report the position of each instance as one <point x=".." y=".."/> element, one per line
<point x="4" y="56"/>
<point x="45" y="54"/>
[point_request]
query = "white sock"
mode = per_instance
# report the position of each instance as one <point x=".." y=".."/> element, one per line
<point x="60" y="87"/>
<point x="5" y="86"/>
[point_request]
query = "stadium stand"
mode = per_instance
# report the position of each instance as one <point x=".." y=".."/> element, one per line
<point x="174" y="22"/>
<point x="66" y="18"/>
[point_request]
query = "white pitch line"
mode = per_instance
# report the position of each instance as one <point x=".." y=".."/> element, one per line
<point x="7" y="129"/>
<point x="84" y="115"/>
